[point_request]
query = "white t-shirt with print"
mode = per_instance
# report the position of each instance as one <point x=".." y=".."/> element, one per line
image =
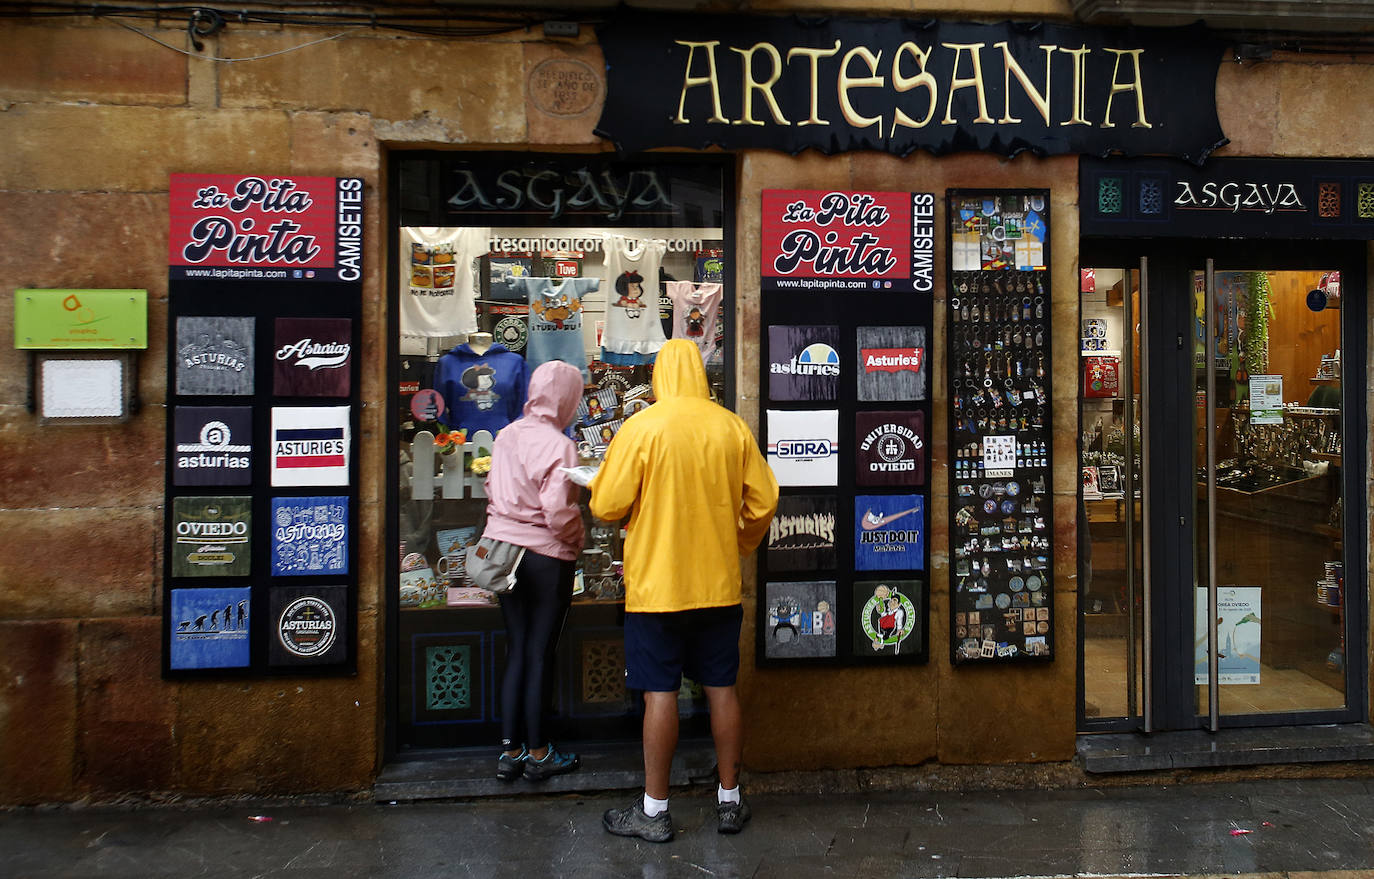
<point x="695" y="310"/>
<point x="438" y="281"/>
<point x="632" y="322"/>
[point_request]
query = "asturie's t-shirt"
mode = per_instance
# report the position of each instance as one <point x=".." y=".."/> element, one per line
<point x="632" y="322"/>
<point x="437" y="279"/>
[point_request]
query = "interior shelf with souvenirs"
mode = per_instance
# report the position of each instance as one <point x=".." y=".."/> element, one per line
<point x="593" y="261"/>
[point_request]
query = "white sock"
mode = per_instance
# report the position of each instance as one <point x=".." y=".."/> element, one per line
<point x="654" y="807"/>
<point x="727" y="796"/>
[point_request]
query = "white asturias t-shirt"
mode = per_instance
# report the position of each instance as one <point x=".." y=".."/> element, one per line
<point x="437" y="279"/>
<point x="632" y="322"/>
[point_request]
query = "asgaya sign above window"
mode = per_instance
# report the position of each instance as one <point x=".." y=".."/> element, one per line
<point x="841" y="84"/>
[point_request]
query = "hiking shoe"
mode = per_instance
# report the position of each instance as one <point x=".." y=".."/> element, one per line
<point x="554" y="763"/>
<point x="631" y="821"/>
<point x="730" y="817"/>
<point x="509" y="768"/>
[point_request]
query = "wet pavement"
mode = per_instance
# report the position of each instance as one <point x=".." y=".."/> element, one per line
<point x="1269" y="829"/>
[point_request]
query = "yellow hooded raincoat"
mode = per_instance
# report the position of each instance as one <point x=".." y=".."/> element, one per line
<point x="698" y="492"/>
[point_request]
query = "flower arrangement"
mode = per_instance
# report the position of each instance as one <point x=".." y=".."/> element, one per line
<point x="481" y="466"/>
<point x="448" y="442"/>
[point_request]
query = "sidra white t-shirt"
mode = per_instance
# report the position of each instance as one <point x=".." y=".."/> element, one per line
<point x="632" y="322"/>
<point x="437" y="279"/>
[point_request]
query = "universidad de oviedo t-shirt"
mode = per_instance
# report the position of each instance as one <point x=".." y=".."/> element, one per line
<point x="437" y="279"/>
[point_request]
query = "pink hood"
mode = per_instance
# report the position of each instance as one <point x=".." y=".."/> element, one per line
<point x="555" y="391"/>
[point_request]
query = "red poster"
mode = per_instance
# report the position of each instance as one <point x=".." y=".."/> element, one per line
<point x="228" y="227"/>
<point x="819" y="241"/>
<point x="1101" y="376"/>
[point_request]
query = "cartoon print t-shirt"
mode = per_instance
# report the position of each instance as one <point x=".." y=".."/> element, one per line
<point x="437" y="279"/>
<point x="695" y="310"/>
<point x="632" y="322"/>
<point x="555" y="326"/>
<point x="481" y="391"/>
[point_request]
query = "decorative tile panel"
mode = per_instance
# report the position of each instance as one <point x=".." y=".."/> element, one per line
<point x="448" y="677"/>
<point x="1328" y="200"/>
<point x="1151" y="197"/>
<point x="603" y="672"/>
<point x="1110" y="196"/>
<point x="1364" y="204"/>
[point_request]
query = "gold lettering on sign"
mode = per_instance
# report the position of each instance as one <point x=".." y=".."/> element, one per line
<point x="814" y="56"/>
<point x="1079" y="86"/>
<point x="975" y="82"/>
<point x="752" y="85"/>
<point x="846" y="82"/>
<point x="710" y="79"/>
<point x="1132" y="86"/>
<point x="904" y="84"/>
<point x="1039" y="99"/>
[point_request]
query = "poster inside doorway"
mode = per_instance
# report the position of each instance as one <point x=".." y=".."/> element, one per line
<point x="1238" y="635"/>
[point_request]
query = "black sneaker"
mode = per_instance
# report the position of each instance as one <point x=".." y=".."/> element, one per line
<point x="731" y="817"/>
<point x="554" y="763"/>
<point x="631" y="821"/>
<point x="509" y="768"/>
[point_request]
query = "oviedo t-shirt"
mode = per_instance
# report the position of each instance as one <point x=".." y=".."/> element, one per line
<point x="481" y="391"/>
<point x="695" y="310"/>
<point x="437" y="279"/>
<point x="555" y="326"/>
<point x="632" y="321"/>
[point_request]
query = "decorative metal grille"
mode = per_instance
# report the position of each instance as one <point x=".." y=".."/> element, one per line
<point x="603" y="672"/>
<point x="448" y="677"/>
<point x="1364" y="203"/>
<point x="1110" y="195"/>
<point x="1328" y="200"/>
<point x="1151" y="197"/>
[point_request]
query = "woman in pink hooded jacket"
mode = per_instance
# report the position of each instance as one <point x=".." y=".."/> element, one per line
<point x="533" y="504"/>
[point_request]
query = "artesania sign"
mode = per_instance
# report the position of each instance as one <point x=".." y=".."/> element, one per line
<point x="827" y="240"/>
<point x="265" y="228"/>
<point x="840" y="84"/>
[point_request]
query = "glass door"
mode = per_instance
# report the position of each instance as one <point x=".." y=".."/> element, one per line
<point x="1268" y="549"/>
<point x="1112" y="561"/>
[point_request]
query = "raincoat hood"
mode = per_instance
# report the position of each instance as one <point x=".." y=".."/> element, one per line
<point x="555" y="391"/>
<point x="679" y="371"/>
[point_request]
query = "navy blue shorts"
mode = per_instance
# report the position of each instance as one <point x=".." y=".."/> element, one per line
<point x="702" y="644"/>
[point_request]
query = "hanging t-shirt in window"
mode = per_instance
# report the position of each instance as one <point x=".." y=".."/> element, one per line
<point x="481" y="391"/>
<point x="437" y="279"/>
<point x="555" y="327"/>
<point x="632" y="323"/>
<point x="695" y="310"/>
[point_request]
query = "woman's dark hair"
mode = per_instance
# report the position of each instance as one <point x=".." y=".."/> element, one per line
<point x="622" y="283"/>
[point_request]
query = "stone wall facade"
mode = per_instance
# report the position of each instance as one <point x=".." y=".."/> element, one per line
<point x="94" y="117"/>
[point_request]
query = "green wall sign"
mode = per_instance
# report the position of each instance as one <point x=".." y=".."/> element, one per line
<point x="80" y="318"/>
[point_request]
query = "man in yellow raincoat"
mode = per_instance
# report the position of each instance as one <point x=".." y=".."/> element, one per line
<point x="699" y="495"/>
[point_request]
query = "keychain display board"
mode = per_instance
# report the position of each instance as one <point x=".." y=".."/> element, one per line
<point x="260" y="572"/>
<point x="1001" y="527"/>
<point x="845" y="379"/>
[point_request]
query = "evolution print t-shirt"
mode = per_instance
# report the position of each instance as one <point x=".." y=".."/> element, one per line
<point x="437" y="280"/>
<point x="555" y="328"/>
<point x="695" y="309"/>
<point x="632" y="322"/>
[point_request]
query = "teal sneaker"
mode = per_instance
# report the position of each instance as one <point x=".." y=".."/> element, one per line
<point x="509" y="768"/>
<point x="554" y="763"/>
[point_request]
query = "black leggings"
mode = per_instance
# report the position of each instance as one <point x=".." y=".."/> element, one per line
<point x="534" y="612"/>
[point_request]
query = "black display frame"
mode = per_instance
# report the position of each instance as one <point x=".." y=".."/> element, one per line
<point x="1021" y="308"/>
<point x="848" y="310"/>
<point x="265" y="301"/>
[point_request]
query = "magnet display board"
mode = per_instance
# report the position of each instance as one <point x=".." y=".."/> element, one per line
<point x="260" y="571"/>
<point x="1001" y="529"/>
<point x="845" y="373"/>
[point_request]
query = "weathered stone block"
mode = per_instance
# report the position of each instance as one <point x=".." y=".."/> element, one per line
<point x="416" y="90"/>
<point x="78" y="563"/>
<point x="337" y="145"/>
<point x="100" y="65"/>
<point x="37" y="711"/>
<point x="126" y="711"/>
<point x="134" y="149"/>
<point x="88" y="466"/>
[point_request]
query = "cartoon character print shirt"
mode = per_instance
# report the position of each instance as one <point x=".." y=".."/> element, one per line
<point x="555" y="326"/>
<point x="695" y="310"/>
<point x="481" y="391"/>
<point x="632" y="322"/>
<point x="437" y="279"/>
